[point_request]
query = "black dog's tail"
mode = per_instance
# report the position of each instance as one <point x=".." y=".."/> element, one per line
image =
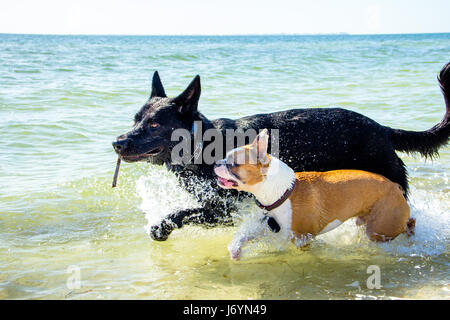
<point x="427" y="142"/>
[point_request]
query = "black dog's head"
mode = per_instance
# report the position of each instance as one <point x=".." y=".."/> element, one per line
<point x="150" y="137"/>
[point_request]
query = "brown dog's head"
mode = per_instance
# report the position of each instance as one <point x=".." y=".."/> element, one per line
<point x="246" y="166"/>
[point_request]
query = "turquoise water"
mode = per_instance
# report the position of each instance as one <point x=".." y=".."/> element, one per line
<point x="63" y="99"/>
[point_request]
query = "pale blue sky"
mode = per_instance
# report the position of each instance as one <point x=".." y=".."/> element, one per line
<point x="223" y="17"/>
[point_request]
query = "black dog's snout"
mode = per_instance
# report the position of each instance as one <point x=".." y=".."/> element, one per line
<point x="120" y="145"/>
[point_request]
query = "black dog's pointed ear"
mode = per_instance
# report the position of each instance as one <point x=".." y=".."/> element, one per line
<point x="157" y="87"/>
<point x="187" y="102"/>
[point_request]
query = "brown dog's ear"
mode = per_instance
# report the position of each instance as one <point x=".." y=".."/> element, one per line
<point x="260" y="145"/>
<point x="157" y="87"/>
<point x="187" y="101"/>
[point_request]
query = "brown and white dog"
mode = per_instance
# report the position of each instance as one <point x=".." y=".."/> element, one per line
<point x="306" y="204"/>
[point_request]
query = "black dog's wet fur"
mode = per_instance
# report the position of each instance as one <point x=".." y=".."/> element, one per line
<point x="310" y="140"/>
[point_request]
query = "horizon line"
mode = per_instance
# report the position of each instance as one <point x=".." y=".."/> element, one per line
<point x="219" y="35"/>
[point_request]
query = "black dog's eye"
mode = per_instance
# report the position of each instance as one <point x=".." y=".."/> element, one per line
<point x="154" y="125"/>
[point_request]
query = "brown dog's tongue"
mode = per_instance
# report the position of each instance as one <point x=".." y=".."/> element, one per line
<point x="116" y="174"/>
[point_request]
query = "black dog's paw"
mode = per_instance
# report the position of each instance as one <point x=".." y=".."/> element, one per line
<point x="161" y="232"/>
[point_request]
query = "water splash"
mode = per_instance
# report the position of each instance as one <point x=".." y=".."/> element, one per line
<point x="161" y="195"/>
<point x="432" y="232"/>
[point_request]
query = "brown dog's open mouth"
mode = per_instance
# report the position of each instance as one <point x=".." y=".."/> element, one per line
<point x="226" y="182"/>
<point x="138" y="157"/>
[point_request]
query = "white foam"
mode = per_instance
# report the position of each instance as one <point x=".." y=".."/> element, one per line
<point x="161" y="195"/>
<point x="248" y="221"/>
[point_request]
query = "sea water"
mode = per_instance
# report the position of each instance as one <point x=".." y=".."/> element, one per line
<point x="66" y="234"/>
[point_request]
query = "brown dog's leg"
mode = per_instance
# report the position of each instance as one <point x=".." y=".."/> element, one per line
<point x="389" y="218"/>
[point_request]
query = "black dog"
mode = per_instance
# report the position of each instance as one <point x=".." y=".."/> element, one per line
<point x="309" y="140"/>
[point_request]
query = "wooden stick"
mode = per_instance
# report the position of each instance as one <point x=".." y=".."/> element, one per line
<point x="116" y="174"/>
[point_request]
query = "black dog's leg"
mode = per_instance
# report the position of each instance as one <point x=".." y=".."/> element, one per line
<point x="176" y="220"/>
<point x="210" y="219"/>
<point x="161" y="231"/>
